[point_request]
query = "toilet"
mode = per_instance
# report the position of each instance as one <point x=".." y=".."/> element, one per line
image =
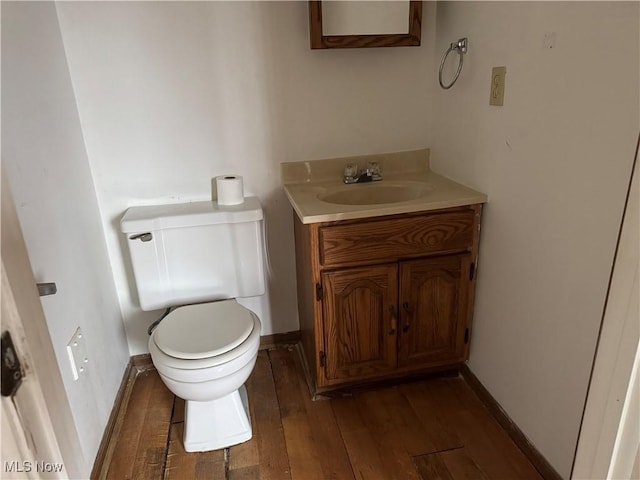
<point x="197" y="258"/>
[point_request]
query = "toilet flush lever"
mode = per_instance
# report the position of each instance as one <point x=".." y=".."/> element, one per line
<point x="145" y="237"/>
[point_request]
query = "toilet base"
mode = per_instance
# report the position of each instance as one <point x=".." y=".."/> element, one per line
<point x="217" y="423"/>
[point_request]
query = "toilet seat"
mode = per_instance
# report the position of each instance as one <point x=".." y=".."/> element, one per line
<point x="205" y="332"/>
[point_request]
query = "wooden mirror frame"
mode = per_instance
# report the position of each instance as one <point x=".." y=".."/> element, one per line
<point x="318" y="40"/>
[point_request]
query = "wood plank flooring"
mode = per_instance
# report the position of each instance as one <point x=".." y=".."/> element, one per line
<point x="428" y="430"/>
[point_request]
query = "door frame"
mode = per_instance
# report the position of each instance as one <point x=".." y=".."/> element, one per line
<point x="609" y="439"/>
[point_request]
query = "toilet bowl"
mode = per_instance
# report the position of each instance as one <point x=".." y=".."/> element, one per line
<point x="204" y="353"/>
<point x="204" y="256"/>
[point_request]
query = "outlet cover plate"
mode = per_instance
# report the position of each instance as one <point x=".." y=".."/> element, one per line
<point x="76" y="349"/>
<point x="496" y="95"/>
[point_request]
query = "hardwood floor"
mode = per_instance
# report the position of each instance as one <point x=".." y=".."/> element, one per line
<point x="427" y="430"/>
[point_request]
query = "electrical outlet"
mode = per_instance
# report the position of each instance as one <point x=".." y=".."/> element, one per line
<point x="496" y="95"/>
<point x="77" y="352"/>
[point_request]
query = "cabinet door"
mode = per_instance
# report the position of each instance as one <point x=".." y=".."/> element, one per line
<point x="360" y="321"/>
<point x="433" y="310"/>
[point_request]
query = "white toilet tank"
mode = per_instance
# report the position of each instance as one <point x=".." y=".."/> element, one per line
<point x="195" y="252"/>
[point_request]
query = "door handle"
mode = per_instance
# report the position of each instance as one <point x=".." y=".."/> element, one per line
<point x="394" y="320"/>
<point x="11" y="368"/>
<point x="407" y="311"/>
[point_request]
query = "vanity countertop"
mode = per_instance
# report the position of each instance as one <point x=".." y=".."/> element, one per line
<point x="306" y="184"/>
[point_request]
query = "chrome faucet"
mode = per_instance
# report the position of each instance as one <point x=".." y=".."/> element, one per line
<point x="352" y="173"/>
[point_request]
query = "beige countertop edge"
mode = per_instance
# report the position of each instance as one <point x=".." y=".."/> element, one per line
<point x="387" y="210"/>
<point x="303" y="199"/>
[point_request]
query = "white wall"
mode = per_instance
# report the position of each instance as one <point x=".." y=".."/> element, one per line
<point x="173" y="94"/>
<point x="555" y="161"/>
<point x="46" y="163"/>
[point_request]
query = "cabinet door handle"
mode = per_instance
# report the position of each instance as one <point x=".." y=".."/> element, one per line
<point x="407" y="311"/>
<point x="394" y="320"/>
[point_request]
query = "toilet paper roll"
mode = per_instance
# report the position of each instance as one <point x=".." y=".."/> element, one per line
<point x="230" y="190"/>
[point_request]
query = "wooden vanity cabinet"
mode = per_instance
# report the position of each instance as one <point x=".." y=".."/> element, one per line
<point x="387" y="296"/>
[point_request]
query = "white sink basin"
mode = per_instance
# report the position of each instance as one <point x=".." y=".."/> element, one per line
<point x="376" y="193"/>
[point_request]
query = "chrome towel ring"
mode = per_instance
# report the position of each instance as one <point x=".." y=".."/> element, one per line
<point x="461" y="47"/>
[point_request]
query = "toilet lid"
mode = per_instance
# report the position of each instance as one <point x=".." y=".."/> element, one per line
<point x="204" y="330"/>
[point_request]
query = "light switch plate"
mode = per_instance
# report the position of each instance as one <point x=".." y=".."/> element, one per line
<point x="496" y="95"/>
